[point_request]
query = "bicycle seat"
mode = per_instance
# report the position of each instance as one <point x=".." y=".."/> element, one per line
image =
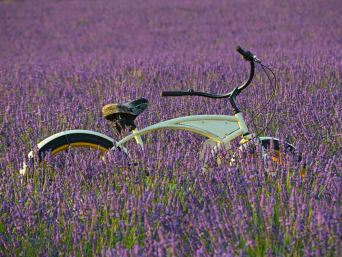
<point x="124" y="114"/>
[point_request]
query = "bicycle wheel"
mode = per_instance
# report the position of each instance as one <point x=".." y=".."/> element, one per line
<point x="277" y="153"/>
<point x="277" y="150"/>
<point x="271" y="148"/>
<point x="270" y="142"/>
<point x="72" y="138"/>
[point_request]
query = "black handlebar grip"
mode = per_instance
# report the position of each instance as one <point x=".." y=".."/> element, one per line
<point x="173" y="93"/>
<point x="241" y="51"/>
<point x="247" y="55"/>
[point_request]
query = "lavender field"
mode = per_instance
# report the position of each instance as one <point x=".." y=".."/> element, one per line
<point x="62" y="61"/>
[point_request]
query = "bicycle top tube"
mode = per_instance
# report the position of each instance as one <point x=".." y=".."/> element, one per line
<point x="247" y="55"/>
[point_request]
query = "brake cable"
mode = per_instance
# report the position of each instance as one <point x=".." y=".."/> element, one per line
<point x="273" y="94"/>
<point x="274" y="88"/>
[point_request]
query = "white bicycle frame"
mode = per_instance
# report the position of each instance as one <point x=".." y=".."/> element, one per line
<point x="220" y="129"/>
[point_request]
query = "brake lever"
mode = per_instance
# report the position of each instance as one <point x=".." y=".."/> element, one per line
<point x="256" y="59"/>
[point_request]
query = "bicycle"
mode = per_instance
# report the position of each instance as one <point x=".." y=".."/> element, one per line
<point x="219" y="129"/>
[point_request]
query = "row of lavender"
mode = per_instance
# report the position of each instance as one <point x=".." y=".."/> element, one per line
<point x="62" y="61"/>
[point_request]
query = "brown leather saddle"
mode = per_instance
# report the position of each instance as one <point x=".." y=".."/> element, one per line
<point x="123" y="115"/>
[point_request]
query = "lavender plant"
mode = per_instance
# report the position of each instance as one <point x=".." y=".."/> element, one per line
<point x="61" y="61"/>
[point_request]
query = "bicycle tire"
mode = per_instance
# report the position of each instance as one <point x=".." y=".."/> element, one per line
<point x="72" y="138"/>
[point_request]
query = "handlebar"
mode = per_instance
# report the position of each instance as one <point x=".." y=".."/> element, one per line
<point x="176" y="93"/>
<point x="247" y="55"/>
<point x="191" y="92"/>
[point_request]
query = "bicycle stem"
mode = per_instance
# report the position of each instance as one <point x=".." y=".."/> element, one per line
<point x="238" y="90"/>
<point x="232" y="100"/>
